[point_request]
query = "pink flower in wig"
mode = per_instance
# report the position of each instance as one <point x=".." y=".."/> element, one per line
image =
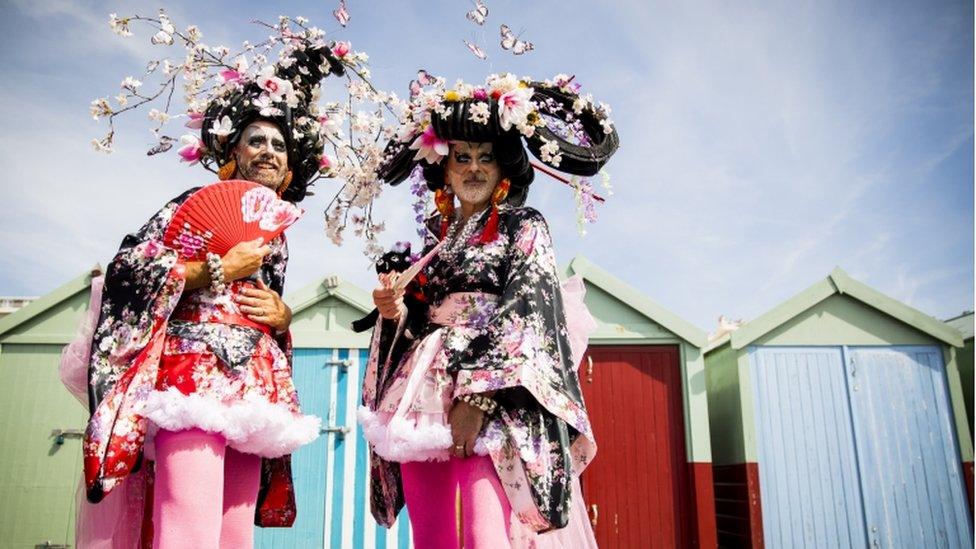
<point x="324" y="163"/>
<point x="341" y="49"/>
<point x="195" y="121"/>
<point x="277" y="88"/>
<point x="192" y="149"/>
<point x="429" y="147"/>
<point x="480" y="94"/>
<point x="514" y="107"/>
<point x="230" y="75"/>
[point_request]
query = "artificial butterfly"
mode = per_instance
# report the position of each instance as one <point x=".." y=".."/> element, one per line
<point x="165" y="144"/>
<point x="478" y="52"/>
<point x="423" y="79"/>
<point x="479" y="13"/>
<point x="341" y="14"/>
<point x="512" y="42"/>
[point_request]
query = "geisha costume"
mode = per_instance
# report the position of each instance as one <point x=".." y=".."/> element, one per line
<point x="165" y="361"/>
<point x="491" y="317"/>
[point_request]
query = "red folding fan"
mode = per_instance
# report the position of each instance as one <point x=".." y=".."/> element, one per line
<point x="223" y="214"/>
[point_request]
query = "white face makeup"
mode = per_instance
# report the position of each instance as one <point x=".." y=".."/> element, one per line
<point x="261" y="153"/>
<point x="472" y="172"/>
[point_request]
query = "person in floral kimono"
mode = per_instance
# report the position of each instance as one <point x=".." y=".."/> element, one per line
<point x="191" y="361"/>
<point x="484" y="397"/>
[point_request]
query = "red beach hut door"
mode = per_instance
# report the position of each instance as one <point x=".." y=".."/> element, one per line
<point x="637" y="489"/>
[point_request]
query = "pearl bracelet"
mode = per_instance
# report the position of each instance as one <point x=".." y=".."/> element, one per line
<point x="481" y="402"/>
<point x="216" y="269"/>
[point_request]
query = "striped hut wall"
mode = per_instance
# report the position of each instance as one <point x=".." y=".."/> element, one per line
<point x="332" y="474"/>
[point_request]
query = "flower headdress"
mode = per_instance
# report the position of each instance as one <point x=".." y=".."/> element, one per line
<point x="563" y="129"/>
<point x="223" y="91"/>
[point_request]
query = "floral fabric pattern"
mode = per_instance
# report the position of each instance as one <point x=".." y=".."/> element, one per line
<point x="144" y="320"/>
<point x="541" y="434"/>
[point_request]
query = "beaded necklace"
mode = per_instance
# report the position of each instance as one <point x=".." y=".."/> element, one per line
<point x="456" y="242"/>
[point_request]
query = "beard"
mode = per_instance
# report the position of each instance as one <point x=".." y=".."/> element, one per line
<point x="271" y="179"/>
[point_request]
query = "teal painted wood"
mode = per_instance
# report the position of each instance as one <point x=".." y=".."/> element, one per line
<point x="313" y="380"/>
<point x="911" y="471"/>
<point x="332" y="474"/>
<point x="339" y="456"/>
<point x="808" y="474"/>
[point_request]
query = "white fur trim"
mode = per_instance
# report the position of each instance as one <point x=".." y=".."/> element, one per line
<point x="250" y="426"/>
<point x="399" y="439"/>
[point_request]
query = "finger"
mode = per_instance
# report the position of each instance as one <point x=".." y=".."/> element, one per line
<point x="255" y="293"/>
<point x="251" y="301"/>
<point x="253" y="311"/>
<point x="263" y="250"/>
<point x="263" y="286"/>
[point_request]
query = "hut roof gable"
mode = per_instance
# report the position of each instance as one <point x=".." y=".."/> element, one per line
<point x="50" y="300"/>
<point x="839" y="282"/>
<point x="329" y="286"/>
<point x="634" y="299"/>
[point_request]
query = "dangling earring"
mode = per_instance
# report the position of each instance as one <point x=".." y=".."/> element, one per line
<point x="227" y="170"/>
<point x="444" y="200"/>
<point x="497" y="196"/>
<point x="284" y="184"/>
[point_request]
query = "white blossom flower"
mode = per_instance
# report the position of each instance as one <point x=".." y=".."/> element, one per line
<point x="165" y="24"/>
<point x="193" y="34"/>
<point x="550" y="153"/>
<point x="162" y="38"/>
<point x="222" y="128"/>
<point x="480" y="112"/>
<point x="130" y="84"/>
<point x="119" y="26"/>
<point x="122" y="99"/>
<point x="266" y="106"/>
<point x="100" y="107"/>
<point x="103" y="145"/>
<point x="159" y="116"/>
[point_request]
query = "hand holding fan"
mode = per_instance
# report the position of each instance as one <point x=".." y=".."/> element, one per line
<point x="223" y="214"/>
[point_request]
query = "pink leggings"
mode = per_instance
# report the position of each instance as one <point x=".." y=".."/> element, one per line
<point x="430" y="488"/>
<point x="205" y="493"/>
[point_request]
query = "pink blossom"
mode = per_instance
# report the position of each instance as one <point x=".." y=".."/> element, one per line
<point x="195" y="120"/>
<point x="341" y="49"/>
<point x="280" y="214"/>
<point x="276" y="87"/>
<point x="230" y="75"/>
<point x="429" y="147"/>
<point x="480" y="94"/>
<point x="192" y="149"/>
<point x="324" y="163"/>
<point x="514" y="107"/>
<point x="151" y="249"/>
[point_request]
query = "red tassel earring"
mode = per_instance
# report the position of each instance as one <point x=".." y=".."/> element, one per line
<point x="444" y="201"/>
<point x="497" y="196"/>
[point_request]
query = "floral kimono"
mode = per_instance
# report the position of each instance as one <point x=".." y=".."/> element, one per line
<point x="162" y="357"/>
<point x="498" y="319"/>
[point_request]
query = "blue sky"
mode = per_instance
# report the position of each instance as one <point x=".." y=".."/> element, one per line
<point x="763" y="143"/>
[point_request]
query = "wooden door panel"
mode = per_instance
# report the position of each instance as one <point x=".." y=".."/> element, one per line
<point x="638" y="482"/>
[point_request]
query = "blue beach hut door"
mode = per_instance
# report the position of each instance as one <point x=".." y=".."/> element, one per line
<point x="331" y="474"/>
<point x="856" y="448"/>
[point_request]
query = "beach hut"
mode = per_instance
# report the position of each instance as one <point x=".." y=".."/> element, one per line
<point x="332" y="474"/>
<point x="643" y="379"/>
<point x="837" y="420"/>
<point x="644" y="383"/>
<point x="964" y="323"/>
<point x="41" y="424"/>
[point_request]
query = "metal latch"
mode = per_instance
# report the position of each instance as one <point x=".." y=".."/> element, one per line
<point x="589" y="369"/>
<point x="49" y="545"/>
<point x="339" y="432"/>
<point x="341" y="364"/>
<point x="61" y="434"/>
